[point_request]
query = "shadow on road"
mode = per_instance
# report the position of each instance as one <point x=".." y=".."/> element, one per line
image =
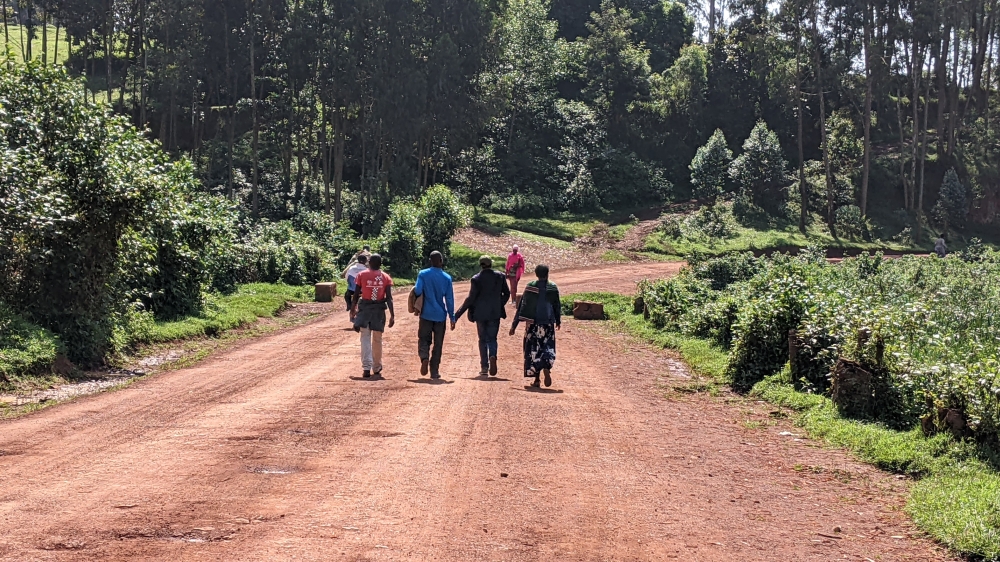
<point x="541" y="390"/>
<point x="431" y="381"/>
<point x="485" y="378"/>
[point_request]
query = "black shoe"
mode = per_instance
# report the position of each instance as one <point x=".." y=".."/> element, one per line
<point x="548" y="377"/>
<point x="367" y="374"/>
<point x="537" y="383"/>
<point x="378" y="373"/>
<point x="435" y="375"/>
<point x="493" y="366"/>
<point x="424" y="366"/>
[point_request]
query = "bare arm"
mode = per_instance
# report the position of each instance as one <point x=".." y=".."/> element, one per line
<point x="388" y="303"/>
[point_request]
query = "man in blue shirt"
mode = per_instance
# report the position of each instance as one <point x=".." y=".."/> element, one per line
<point x="439" y="307"/>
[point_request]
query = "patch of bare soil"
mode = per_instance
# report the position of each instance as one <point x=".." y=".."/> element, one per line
<point x="633" y="242"/>
<point x="535" y="252"/>
<point x="277" y="449"/>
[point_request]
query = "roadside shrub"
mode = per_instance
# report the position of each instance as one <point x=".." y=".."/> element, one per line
<point x="400" y="241"/>
<point x="74" y="180"/>
<point x="725" y="270"/>
<point x="851" y="224"/>
<point x="25" y="349"/>
<point x="760" y="340"/>
<point x="952" y="207"/>
<point x="440" y="216"/>
<point x="927" y="330"/>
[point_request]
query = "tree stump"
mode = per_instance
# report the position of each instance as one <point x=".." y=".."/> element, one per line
<point x="853" y="389"/>
<point x="588" y="310"/>
<point x="325" y="292"/>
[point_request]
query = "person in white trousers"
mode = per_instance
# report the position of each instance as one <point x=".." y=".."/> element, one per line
<point x="371" y="299"/>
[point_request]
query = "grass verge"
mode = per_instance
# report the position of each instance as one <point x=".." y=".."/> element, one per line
<point x="750" y="239"/>
<point x="956" y="494"/>
<point x="226" y="312"/>
<point x="26" y="351"/>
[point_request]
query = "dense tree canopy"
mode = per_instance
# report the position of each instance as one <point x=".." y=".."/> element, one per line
<point x="530" y="106"/>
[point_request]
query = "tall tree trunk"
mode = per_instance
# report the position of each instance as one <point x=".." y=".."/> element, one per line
<point x="902" y="149"/>
<point x="109" y="46"/>
<point x="55" y="56"/>
<point x="324" y="151"/>
<point x="923" y="148"/>
<point x="145" y="63"/>
<point x="830" y="200"/>
<point x="916" y="68"/>
<point x="803" y="188"/>
<point x="340" y="135"/>
<point x="255" y="206"/>
<point x="230" y="87"/>
<point x="6" y="29"/>
<point x="29" y="25"/>
<point x="711" y="21"/>
<point x="866" y="162"/>
<point x="953" y="96"/>
<point x="941" y="73"/>
<point x="45" y="33"/>
<point x="20" y="29"/>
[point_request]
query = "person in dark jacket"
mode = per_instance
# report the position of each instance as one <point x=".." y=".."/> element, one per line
<point x="539" y="309"/>
<point x="485" y="304"/>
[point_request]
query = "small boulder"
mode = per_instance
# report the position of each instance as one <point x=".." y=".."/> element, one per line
<point x="325" y="292"/>
<point x="588" y="310"/>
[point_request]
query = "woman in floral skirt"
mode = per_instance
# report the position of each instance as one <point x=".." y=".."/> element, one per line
<point x="539" y="309"/>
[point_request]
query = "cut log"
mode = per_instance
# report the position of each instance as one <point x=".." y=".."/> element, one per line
<point x="588" y="310"/>
<point x="853" y="390"/>
<point x="325" y="292"/>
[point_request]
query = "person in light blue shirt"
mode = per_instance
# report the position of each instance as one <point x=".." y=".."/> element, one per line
<point x="435" y="286"/>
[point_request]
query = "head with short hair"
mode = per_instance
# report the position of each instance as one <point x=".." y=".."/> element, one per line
<point x="375" y="262"/>
<point x="542" y="271"/>
<point x="366" y="248"/>
<point x="437" y="259"/>
<point x="485" y="262"/>
<point x="363" y="259"/>
<point x="516" y="249"/>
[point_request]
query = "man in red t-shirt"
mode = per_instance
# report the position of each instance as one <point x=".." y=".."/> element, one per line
<point x="371" y="299"/>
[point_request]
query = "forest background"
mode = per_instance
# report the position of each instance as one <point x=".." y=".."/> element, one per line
<point x="179" y="148"/>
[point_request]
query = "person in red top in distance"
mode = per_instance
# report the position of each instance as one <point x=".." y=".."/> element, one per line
<point x="371" y="299"/>
<point x="514" y="271"/>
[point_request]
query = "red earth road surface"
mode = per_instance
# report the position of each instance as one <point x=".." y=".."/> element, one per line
<point x="276" y="449"/>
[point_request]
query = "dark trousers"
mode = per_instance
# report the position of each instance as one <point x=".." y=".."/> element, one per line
<point x="431" y="333"/>
<point x="349" y="296"/>
<point x="488" y="331"/>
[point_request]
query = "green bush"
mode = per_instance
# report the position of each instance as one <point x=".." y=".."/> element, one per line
<point x="710" y="168"/>
<point x="400" y="241"/>
<point x="441" y="215"/>
<point x="761" y="170"/>
<point x="25" y="349"/>
<point x="74" y="181"/>
<point x="851" y="224"/>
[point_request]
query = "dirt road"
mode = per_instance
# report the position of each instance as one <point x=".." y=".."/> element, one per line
<point x="277" y="450"/>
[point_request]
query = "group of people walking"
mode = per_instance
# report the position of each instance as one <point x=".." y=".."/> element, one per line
<point x="369" y="300"/>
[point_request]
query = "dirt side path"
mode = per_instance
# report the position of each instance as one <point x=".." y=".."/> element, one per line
<point x="277" y="450"/>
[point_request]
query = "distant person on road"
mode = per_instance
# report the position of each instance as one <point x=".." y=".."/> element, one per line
<point x="514" y="271"/>
<point x="435" y="286"/>
<point x="941" y="246"/>
<point x="540" y="310"/>
<point x="485" y="304"/>
<point x="371" y="299"/>
<point x="351" y="274"/>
